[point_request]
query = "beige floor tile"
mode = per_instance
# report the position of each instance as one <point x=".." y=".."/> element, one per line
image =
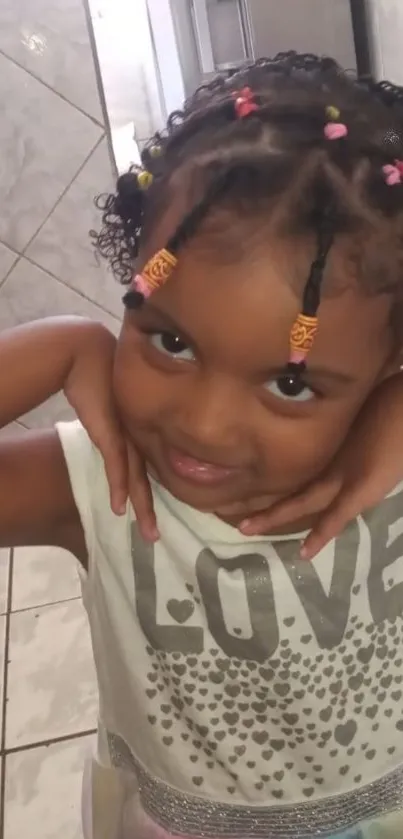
<point x="63" y="246"/>
<point x="2" y="653"/>
<point x="42" y="576"/>
<point x="50" y="39"/>
<point x="55" y="409"/>
<point x="11" y="430"/>
<point x="43" y="791"/>
<point x="44" y="140"/>
<point x="51" y="681"/>
<point x="7" y="259"/>
<point x="4" y="565"/>
<point x="30" y="293"/>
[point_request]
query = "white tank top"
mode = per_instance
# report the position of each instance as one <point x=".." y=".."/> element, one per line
<point x="243" y="693"/>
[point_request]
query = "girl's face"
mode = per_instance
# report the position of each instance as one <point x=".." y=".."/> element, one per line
<point x="198" y="388"/>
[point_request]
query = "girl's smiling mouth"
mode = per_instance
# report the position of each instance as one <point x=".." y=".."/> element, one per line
<point x="197" y="471"/>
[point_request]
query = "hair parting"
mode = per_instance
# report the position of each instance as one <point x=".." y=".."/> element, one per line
<point x="246" y="138"/>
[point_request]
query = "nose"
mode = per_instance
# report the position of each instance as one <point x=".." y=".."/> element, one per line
<point x="210" y="419"/>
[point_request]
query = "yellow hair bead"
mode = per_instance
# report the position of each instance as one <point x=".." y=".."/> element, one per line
<point x="144" y="179"/>
<point x="333" y="113"/>
<point x="155" y="151"/>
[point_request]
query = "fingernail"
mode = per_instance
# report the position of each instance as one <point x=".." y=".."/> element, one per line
<point x="122" y="509"/>
<point x="246" y="527"/>
<point x="304" y="552"/>
<point x="151" y="532"/>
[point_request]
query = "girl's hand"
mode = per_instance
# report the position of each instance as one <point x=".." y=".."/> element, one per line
<point x="367" y="468"/>
<point x="88" y="388"/>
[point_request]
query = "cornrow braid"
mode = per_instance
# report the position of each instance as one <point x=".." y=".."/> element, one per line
<point x="189" y="225"/>
<point x="161" y="265"/>
<point x="306" y="323"/>
<point x="283" y="139"/>
<point x="311" y="298"/>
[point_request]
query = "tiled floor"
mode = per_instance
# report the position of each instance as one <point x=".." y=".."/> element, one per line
<point x="50" y="704"/>
<point x="54" y="160"/>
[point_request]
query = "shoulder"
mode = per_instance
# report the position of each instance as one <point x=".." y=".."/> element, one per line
<point x="89" y="483"/>
<point x="84" y="463"/>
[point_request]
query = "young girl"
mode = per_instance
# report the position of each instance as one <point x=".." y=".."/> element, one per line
<point x="243" y="693"/>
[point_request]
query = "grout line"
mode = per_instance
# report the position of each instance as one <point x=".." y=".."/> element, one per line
<point x="44" y="605"/>
<point x="23" y="425"/>
<point x="10" y="248"/>
<point x="6" y="276"/>
<point x="75" y="290"/>
<point x="18" y="422"/>
<point x="3" y="711"/>
<point x="22" y="253"/>
<point x="52" y="89"/>
<point x="64" y="738"/>
<point x="65" y="190"/>
<point x="13" y="250"/>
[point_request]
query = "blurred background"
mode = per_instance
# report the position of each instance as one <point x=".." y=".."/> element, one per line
<point x="166" y="48"/>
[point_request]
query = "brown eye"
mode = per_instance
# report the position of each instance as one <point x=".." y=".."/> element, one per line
<point x="290" y="387"/>
<point x="173" y="345"/>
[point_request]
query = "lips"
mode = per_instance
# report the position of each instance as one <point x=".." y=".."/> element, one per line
<point x="198" y="471"/>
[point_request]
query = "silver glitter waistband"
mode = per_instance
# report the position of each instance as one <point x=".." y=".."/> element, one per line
<point x="187" y="815"/>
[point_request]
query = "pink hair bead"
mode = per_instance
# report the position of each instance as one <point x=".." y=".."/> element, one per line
<point x="392" y="174"/>
<point x="141" y="286"/>
<point x="335" y="130"/>
<point x="297" y="357"/>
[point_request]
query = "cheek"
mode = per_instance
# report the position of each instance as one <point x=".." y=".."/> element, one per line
<point x="140" y="391"/>
<point x="297" y="450"/>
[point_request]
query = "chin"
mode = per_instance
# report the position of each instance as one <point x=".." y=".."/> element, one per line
<point x="206" y="499"/>
<point x="227" y="501"/>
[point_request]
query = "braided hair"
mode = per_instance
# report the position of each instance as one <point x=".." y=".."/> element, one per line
<point x="276" y="163"/>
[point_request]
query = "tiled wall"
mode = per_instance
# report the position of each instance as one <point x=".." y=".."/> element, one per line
<point x="53" y="160"/>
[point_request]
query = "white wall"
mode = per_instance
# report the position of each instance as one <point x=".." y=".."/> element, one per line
<point x="386" y="20"/>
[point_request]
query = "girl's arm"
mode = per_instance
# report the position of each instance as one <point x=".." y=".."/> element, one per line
<point x="36" y="361"/>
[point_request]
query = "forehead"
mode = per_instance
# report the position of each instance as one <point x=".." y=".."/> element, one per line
<point x="242" y="310"/>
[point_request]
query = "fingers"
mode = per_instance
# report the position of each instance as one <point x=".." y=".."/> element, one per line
<point x="124" y="468"/>
<point x="114" y="454"/>
<point x="142" y="498"/>
<point x="312" y="500"/>
<point x="106" y="434"/>
<point x="346" y="507"/>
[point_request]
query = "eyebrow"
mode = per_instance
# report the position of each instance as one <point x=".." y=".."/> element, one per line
<point x="165" y="319"/>
<point x="311" y="373"/>
<point x="333" y="375"/>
